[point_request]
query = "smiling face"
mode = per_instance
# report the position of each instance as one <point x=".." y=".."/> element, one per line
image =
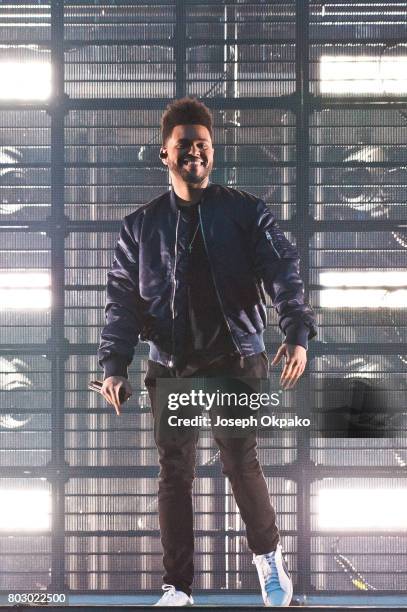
<point x="189" y="155"/>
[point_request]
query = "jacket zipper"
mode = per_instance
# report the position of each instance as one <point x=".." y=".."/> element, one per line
<point x="270" y="239"/>
<point x="214" y="281"/>
<point x="172" y="358"/>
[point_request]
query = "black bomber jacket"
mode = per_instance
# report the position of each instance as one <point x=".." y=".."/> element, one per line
<point x="248" y="254"/>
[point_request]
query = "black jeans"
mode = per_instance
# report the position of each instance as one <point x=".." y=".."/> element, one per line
<point x="177" y="471"/>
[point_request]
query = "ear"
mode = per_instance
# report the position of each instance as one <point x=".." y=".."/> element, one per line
<point x="163" y="155"/>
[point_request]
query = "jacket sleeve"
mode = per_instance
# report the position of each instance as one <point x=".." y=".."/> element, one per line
<point x="123" y="307"/>
<point x="276" y="264"/>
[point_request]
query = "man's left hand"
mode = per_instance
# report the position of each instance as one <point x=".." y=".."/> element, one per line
<point x="295" y="362"/>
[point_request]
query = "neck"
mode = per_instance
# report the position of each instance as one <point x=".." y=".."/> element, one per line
<point x="187" y="194"/>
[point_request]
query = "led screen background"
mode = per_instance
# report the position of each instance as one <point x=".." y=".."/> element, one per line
<point x="79" y="143"/>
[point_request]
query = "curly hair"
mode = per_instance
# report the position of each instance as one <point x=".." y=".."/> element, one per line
<point x="185" y="111"/>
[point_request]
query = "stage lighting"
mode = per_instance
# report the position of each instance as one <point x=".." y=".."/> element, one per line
<point x="28" y="510"/>
<point x="364" y="278"/>
<point x="24" y="291"/>
<point x="363" y="75"/>
<point x="361" y="509"/>
<point x="372" y="289"/>
<point x="25" y="80"/>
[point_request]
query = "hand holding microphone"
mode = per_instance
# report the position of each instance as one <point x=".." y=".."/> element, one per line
<point x="115" y="389"/>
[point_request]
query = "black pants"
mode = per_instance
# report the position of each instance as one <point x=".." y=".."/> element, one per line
<point x="177" y="471"/>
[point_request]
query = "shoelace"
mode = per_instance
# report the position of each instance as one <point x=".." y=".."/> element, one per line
<point x="169" y="590"/>
<point x="273" y="582"/>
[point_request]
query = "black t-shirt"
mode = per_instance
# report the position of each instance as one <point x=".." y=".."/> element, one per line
<point x="207" y="335"/>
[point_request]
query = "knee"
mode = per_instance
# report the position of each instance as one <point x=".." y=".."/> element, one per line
<point x="176" y="477"/>
<point x="235" y="466"/>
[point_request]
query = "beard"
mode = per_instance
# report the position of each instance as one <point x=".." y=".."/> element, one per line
<point x="193" y="176"/>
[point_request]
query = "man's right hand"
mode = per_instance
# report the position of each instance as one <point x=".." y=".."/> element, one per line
<point x="111" y="388"/>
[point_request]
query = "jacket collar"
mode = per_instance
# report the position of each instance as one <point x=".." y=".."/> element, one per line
<point x="173" y="201"/>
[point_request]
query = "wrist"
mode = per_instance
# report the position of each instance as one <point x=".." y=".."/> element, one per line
<point x="115" y="366"/>
<point x="297" y="335"/>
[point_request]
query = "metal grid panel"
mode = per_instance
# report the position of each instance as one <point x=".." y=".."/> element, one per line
<point x="373" y="31"/>
<point x="255" y="151"/>
<point x="25" y="275"/>
<point x="25" y="562"/>
<point x="389" y="373"/>
<point x="370" y="561"/>
<point x="116" y="51"/>
<point x="359" y="164"/>
<point x="350" y="20"/>
<point x="112" y="163"/>
<point x="23" y="22"/>
<point x="88" y="257"/>
<point x="377" y="558"/>
<point x="346" y="79"/>
<point x="25" y="156"/>
<point x="94" y="435"/>
<point x="344" y="320"/>
<point x="385" y="452"/>
<point x="25" y="422"/>
<point x="229" y="50"/>
<point x="25" y="555"/>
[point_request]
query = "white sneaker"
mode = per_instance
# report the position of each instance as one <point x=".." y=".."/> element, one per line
<point x="275" y="581"/>
<point x="172" y="597"/>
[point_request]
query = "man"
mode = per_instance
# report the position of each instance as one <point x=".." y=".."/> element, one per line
<point x="189" y="275"/>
